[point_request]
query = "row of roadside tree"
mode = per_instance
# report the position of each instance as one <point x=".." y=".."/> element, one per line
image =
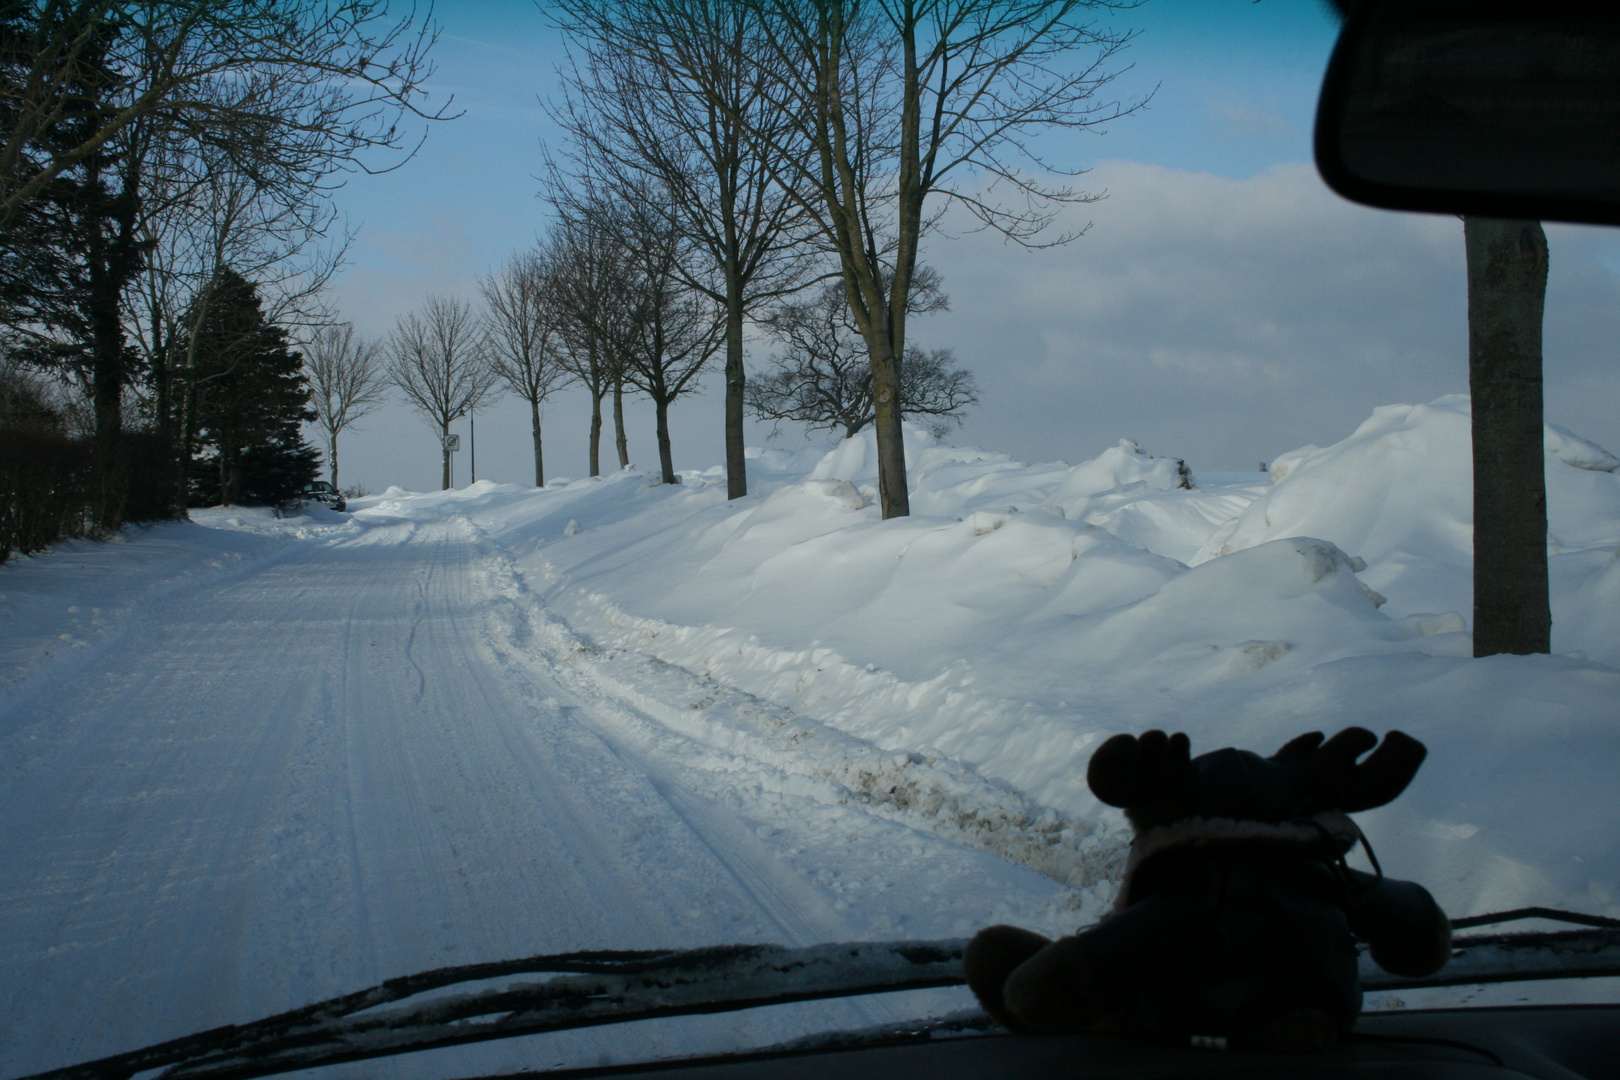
<point x="166" y="229"/>
<point x="167" y="234"/>
<point x="722" y="158"/>
<point x="744" y="150"/>
<point x="598" y="314"/>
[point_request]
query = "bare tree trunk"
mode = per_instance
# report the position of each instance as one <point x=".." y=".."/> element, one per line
<point x="539" y="461"/>
<point x="163" y="409"/>
<point x="444" y="450"/>
<point x="666" y="457"/>
<point x="230" y="476"/>
<point x="736" y="452"/>
<point x="1507" y="288"/>
<point x="596" y="434"/>
<point x="893" y="496"/>
<point x="331" y="458"/>
<point x="186" y="438"/>
<point x="619" y="438"/>
<point x="107" y="364"/>
<point x="109" y="269"/>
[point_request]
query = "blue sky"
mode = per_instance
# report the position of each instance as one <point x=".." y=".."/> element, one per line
<point x="1223" y="307"/>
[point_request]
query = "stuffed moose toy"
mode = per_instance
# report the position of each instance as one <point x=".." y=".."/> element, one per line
<point x="1237" y="918"/>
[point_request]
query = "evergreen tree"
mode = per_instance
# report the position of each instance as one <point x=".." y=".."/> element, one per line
<point x="67" y="255"/>
<point x="249" y="399"/>
<point x="275" y="471"/>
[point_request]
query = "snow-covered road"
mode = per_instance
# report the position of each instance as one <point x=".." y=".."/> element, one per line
<point x="374" y="752"/>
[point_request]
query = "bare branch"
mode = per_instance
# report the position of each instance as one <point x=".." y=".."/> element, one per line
<point x="439" y="361"/>
<point x="524" y="329"/>
<point x="348" y="379"/>
<point x="349" y="71"/>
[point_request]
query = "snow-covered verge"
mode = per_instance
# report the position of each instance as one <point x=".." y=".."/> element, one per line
<point x="1025" y="612"/>
<point x="60" y="609"/>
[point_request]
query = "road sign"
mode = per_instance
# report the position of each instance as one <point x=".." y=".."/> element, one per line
<point x="452" y="443"/>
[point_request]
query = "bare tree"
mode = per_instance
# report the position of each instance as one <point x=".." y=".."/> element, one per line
<point x="834" y="390"/>
<point x="438" y="360"/>
<point x="523" y="327"/>
<point x="823" y="380"/>
<point x="678" y="330"/>
<point x="206" y="65"/>
<point x="590" y="277"/>
<point x="347" y="380"/>
<point x="898" y="100"/>
<point x="665" y="92"/>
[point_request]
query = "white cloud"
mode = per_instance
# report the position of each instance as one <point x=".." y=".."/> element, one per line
<point x="1240" y="118"/>
<point x="1226" y="321"/>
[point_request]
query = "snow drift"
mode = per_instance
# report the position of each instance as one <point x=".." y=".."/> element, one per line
<point x="1398" y="493"/>
<point x="1025" y="612"/>
<point x="956" y="667"/>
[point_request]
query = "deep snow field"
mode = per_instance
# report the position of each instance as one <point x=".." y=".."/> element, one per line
<point x="943" y="678"/>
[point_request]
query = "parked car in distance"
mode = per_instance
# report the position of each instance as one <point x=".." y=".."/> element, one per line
<point x="322" y="491"/>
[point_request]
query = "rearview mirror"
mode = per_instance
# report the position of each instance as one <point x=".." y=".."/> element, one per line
<point x="1499" y="108"/>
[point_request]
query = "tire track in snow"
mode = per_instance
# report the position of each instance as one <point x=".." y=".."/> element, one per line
<point x="761" y="739"/>
<point x="799" y="913"/>
<point x="718" y="789"/>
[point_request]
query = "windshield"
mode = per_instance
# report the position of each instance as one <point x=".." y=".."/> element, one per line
<point x="1203" y="468"/>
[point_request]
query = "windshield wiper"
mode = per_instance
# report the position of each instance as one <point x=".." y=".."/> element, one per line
<point x="1517" y="957"/>
<point x="592" y="988"/>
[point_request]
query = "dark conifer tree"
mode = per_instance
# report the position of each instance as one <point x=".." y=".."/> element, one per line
<point x="250" y="399"/>
<point x="67" y="256"/>
<point x="274" y="471"/>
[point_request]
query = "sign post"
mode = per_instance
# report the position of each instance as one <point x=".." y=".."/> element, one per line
<point x="452" y="443"/>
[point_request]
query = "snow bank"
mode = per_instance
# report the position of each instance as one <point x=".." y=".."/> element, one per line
<point x="1398" y="493"/>
<point x="1025" y="612"/>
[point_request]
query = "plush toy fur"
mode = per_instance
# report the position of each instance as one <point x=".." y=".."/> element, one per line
<point x="1237" y="917"/>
